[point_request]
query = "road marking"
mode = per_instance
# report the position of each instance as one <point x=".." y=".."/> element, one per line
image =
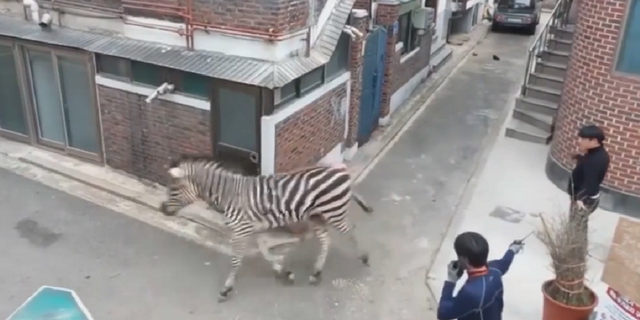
<point x="52" y="303"/>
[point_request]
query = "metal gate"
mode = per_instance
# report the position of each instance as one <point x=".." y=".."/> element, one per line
<point x="372" y="76"/>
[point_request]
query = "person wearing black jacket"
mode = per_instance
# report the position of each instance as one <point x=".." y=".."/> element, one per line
<point x="590" y="170"/>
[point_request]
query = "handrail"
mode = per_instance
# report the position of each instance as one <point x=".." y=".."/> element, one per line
<point x="559" y="18"/>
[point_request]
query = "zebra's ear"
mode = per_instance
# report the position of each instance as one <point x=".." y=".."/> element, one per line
<point x="176" y="173"/>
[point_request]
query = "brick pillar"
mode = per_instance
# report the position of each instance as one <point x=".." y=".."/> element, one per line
<point x="359" y="20"/>
<point x="387" y="15"/>
<point x="362" y="4"/>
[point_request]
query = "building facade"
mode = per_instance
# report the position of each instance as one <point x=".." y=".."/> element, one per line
<point x="265" y="88"/>
<point x="602" y="86"/>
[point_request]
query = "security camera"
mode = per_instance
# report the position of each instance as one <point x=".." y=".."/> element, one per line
<point x="45" y="21"/>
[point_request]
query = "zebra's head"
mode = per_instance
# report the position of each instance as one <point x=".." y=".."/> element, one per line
<point x="182" y="190"/>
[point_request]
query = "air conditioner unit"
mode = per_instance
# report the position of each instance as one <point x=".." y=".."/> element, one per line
<point x="422" y="18"/>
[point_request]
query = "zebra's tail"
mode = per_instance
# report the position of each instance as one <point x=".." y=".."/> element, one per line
<point x="360" y="201"/>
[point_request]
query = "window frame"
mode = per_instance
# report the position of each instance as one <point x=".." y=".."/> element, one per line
<point x="615" y="66"/>
<point x="409" y="38"/>
<point x="28" y="90"/>
<point x="173" y="76"/>
<point x="21" y="79"/>
<point x="344" y="40"/>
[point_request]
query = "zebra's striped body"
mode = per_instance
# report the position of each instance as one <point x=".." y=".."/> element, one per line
<point x="318" y="195"/>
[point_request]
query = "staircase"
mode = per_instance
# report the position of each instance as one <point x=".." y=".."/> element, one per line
<point x="537" y="105"/>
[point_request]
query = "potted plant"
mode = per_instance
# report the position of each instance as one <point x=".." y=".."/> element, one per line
<point x="566" y="297"/>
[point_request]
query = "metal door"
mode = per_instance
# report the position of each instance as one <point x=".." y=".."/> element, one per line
<point x="372" y="76"/>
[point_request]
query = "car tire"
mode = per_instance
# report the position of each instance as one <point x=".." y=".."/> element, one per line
<point x="531" y="30"/>
<point x="495" y="27"/>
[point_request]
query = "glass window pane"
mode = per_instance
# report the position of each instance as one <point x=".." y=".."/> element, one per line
<point x="11" y="111"/>
<point x="238" y="119"/>
<point x="339" y="62"/>
<point x="402" y="29"/>
<point x="80" y="116"/>
<point x="288" y="91"/>
<point x="113" y="66"/>
<point x="196" y="84"/>
<point x="46" y="96"/>
<point x="628" y="60"/>
<point x="147" y="73"/>
<point x="311" y="80"/>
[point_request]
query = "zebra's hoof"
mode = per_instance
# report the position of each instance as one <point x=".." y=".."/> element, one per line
<point x="315" y="278"/>
<point x="287" y="277"/>
<point x="224" y="294"/>
<point x="364" y="258"/>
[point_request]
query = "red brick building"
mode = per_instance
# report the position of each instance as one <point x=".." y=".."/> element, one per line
<point x="265" y="87"/>
<point x="602" y="86"/>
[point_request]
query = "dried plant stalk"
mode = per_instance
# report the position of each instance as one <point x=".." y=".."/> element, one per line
<point x="566" y="239"/>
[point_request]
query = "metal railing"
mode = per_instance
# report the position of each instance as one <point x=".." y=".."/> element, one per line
<point x="559" y="18"/>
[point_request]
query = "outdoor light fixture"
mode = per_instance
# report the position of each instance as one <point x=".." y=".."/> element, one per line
<point x="45" y="21"/>
<point x="162" y="89"/>
<point x="353" y="32"/>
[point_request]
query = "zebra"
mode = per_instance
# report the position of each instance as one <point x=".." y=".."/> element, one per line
<point x="319" y="195"/>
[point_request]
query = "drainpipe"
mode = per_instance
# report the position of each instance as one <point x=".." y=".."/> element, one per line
<point x="34" y="8"/>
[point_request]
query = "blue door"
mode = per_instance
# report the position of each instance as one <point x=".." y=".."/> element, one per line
<point x="372" y="76"/>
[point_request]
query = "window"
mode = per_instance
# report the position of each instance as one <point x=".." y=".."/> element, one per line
<point x="63" y="101"/>
<point x="148" y="74"/>
<point x="11" y="108"/>
<point x="311" y="80"/>
<point x="337" y="65"/>
<point x="113" y="66"/>
<point x="153" y="75"/>
<point x="628" y="61"/>
<point x="339" y="61"/>
<point x="407" y="34"/>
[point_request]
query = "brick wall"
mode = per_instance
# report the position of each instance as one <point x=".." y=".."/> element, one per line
<point x="355" y="66"/>
<point x="387" y="15"/>
<point x="403" y="72"/>
<point x="593" y="93"/>
<point x="306" y="136"/>
<point x="275" y="17"/>
<point x="141" y="138"/>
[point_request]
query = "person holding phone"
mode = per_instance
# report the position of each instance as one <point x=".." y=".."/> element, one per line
<point x="481" y="296"/>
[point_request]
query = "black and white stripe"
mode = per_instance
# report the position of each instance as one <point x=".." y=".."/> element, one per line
<point x="319" y="195"/>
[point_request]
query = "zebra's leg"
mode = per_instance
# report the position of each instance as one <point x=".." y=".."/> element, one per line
<point x="341" y="223"/>
<point x="322" y="234"/>
<point x="277" y="261"/>
<point x="238" y="246"/>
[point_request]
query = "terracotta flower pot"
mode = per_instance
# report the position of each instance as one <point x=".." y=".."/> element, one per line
<point x="553" y="310"/>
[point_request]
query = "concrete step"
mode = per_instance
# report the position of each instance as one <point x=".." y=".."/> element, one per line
<point x="539" y="120"/>
<point x="542" y="93"/>
<point x="537" y="106"/>
<point x="565" y="33"/>
<point x="559" y="44"/>
<point x="545" y="80"/>
<point x="560" y="57"/>
<point x="519" y="130"/>
<point x="551" y="68"/>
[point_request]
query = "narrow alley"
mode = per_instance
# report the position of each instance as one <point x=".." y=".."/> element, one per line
<point x="123" y="269"/>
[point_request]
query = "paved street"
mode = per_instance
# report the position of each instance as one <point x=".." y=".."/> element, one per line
<point x="419" y="183"/>
<point x="124" y="269"/>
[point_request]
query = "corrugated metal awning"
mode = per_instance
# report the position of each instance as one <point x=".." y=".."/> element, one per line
<point x="216" y="65"/>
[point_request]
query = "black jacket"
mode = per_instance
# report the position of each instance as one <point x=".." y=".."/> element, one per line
<point x="588" y="174"/>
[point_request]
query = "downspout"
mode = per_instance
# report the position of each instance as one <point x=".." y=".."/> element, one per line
<point x="34" y="8"/>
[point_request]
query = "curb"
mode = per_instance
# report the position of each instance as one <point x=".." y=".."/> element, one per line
<point x="423" y="92"/>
